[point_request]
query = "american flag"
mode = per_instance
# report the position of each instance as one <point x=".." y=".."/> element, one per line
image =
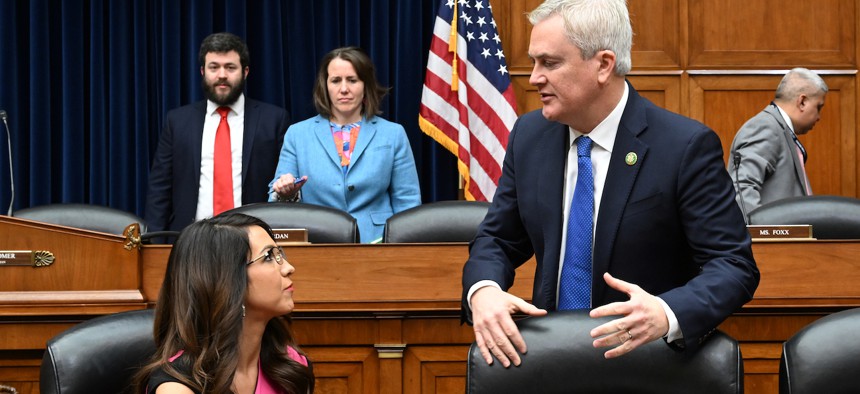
<point x="468" y="102"/>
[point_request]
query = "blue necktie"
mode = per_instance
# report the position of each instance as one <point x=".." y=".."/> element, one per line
<point x="575" y="284"/>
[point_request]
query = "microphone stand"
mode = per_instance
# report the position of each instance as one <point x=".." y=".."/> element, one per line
<point x="11" y="173"/>
<point x="738" y="188"/>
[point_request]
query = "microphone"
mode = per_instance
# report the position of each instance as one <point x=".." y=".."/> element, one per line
<point x="738" y="188"/>
<point x="9" y="145"/>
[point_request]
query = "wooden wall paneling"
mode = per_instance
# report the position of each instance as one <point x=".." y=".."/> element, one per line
<point x="339" y="370"/>
<point x="761" y="366"/>
<point x="515" y="31"/>
<point x="842" y="99"/>
<point x="751" y="328"/>
<point x="772" y="33"/>
<point x="437" y="330"/>
<point x="528" y="98"/>
<point x="656" y="34"/>
<point x="345" y="332"/>
<point x="20" y="374"/>
<point x="389" y="348"/>
<point x="725" y="101"/>
<point x="757" y="380"/>
<point x="26" y="335"/>
<point x="662" y="90"/>
<point x="435" y="369"/>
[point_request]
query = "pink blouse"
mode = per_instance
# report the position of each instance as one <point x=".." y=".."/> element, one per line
<point x="264" y="386"/>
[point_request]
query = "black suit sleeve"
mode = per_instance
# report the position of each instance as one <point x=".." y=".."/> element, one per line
<point x="159" y="205"/>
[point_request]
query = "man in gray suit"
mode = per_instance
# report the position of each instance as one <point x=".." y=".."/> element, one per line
<point x="767" y="161"/>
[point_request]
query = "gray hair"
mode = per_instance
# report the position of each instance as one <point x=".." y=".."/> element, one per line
<point x="800" y="81"/>
<point x="593" y="25"/>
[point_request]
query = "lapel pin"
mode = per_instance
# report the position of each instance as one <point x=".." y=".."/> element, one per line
<point x="631" y="158"/>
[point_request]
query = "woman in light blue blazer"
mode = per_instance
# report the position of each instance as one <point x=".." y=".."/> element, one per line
<point x="347" y="157"/>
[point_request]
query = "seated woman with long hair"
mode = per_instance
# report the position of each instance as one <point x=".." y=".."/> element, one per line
<point x="220" y="321"/>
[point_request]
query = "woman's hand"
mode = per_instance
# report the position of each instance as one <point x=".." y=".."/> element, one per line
<point x="287" y="186"/>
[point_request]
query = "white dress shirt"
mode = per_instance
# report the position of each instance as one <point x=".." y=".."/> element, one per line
<point x="236" y="120"/>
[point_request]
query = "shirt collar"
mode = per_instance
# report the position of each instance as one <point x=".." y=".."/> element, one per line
<point x="604" y="134"/>
<point x="238" y="106"/>
<point x="785" y="117"/>
<point x="348" y="126"/>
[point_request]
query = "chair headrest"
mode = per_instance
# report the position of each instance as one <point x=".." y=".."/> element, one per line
<point x="562" y="359"/>
<point x="441" y="221"/>
<point x="823" y="356"/>
<point x="324" y="224"/>
<point x="98" y="356"/>
<point x="84" y="216"/>
<point x="831" y="217"/>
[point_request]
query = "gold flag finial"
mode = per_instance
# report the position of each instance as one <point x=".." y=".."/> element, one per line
<point x="452" y="47"/>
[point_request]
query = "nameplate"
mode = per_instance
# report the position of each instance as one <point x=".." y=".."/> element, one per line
<point x="290" y="235"/>
<point x="28" y="258"/>
<point x="781" y="232"/>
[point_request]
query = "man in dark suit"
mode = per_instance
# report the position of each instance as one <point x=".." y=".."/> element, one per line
<point x="670" y="257"/>
<point x="184" y="176"/>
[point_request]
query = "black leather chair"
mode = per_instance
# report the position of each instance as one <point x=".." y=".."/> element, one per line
<point x="324" y="224"/>
<point x="561" y="359"/>
<point x="831" y="217"/>
<point x="442" y="221"/>
<point x="98" y="356"/>
<point x="84" y="216"/>
<point x="823" y="357"/>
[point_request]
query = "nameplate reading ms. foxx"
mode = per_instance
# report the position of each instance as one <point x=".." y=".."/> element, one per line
<point x="781" y="232"/>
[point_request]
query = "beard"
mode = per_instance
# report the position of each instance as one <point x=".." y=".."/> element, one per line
<point x="226" y="99"/>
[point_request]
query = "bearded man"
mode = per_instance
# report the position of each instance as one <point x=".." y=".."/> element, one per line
<point x="218" y="153"/>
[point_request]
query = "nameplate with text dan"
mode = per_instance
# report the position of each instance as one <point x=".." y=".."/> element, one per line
<point x="780" y="232"/>
<point x="290" y="235"/>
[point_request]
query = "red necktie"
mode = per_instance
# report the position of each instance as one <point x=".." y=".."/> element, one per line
<point x="222" y="177"/>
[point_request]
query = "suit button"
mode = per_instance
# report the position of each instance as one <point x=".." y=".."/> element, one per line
<point x="350" y="187"/>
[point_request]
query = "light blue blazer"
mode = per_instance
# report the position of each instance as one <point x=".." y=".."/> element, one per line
<point x="381" y="179"/>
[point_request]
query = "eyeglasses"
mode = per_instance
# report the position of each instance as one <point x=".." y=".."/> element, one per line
<point x="273" y="253"/>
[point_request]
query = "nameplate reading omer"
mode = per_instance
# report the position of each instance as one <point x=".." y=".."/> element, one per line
<point x="33" y="258"/>
<point x="781" y="232"/>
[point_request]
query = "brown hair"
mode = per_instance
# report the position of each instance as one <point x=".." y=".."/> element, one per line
<point x="373" y="91"/>
<point x="223" y="43"/>
<point x="199" y="312"/>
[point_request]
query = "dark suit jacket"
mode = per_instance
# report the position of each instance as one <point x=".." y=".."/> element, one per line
<point x="174" y="179"/>
<point x="667" y="223"/>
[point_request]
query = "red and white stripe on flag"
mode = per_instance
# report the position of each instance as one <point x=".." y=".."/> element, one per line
<point x="468" y="102"/>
